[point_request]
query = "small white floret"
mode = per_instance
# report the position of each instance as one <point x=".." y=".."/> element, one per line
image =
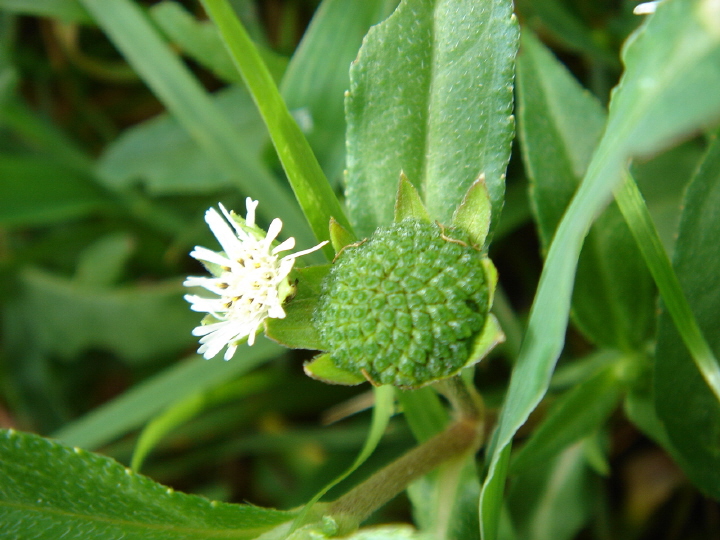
<point x="250" y="280"/>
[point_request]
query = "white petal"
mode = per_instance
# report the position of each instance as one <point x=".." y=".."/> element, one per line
<point x="238" y="229"/>
<point x="273" y="232"/>
<point x="213" y="306"/>
<point x="250" y="205"/>
<point x="228" y="240"/>
<point x="284" y="269"/>
<point x="203" y="254"/>
<point x="232" y="347"/>
<point x="287" y="244"/>
<point x="276" y="312"/>
<point x="306" y="251"/>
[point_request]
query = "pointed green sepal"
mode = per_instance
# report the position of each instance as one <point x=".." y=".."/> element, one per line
<point x="297" y="330"/>
<point x="474" y="213"/>
<point x="323" y="369"/>
<point x="408" y="203"/>
<point x="491" y="274"/>
<point x="490" y="336"/>
<point x="340" y="236"/>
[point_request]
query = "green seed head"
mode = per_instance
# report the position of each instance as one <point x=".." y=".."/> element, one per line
<point x="404" y="307"/>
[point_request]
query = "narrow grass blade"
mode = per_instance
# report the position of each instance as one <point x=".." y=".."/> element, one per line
<point x="138" y="40"/>
<point x="312" y="189"/>
<point x="142" y="402"/>
<point x="638" y="217"/>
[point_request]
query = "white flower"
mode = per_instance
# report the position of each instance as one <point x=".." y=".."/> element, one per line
<point x="646" y="8"/>
<point x="249" y="278"/>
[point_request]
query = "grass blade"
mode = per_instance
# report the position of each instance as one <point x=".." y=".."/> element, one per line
<point x="312" y="189"/>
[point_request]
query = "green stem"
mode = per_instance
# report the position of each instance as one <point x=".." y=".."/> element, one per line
<point x="358" y="504"/>
<point x="465" y="400"/>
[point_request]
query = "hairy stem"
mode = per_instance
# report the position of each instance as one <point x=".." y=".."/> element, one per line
<point x="359" y="503"/>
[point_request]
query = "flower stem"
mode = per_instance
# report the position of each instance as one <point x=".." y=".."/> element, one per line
<point x="358" y="504"/>
<point x="465" y="400"/>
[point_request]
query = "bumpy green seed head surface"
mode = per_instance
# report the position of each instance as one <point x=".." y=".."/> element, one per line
<point x="406" y="305"/>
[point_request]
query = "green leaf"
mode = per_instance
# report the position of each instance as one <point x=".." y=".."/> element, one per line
<point x="559" y="125"/>
<point x="200" y="41"/>
<point x="670" y="88"/>
<point x="408" y="204"/>
<point x="312" y="190"/>
<point x="445" y="500"/>
<point x="688" y="408"/>
<point x="317" y="77"/>
<point x="557" y="18"/>
<point x="66" y="10"/>
<point x="297" y="330"/>
<point x="431" y="95"/>
<point x="52" y="491"/>
<point x="137" y="324"/>
<point x="169" y="161"/>
<point x="554" y="501"/>
<point x="142" y="402"/>
<point x="38" y="192"/>
<point x="102" y="263"/>
<point x="382" y="411"/>
<point x="575" y="415"/>
<point x="190" y="407"/>
<point x="137" y="39"/>
<point x="475" y="212"/>
<point x="423" y="411"/>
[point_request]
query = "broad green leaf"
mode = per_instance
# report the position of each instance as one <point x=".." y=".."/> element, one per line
<point x="554" y="501"/>
<point x="317" y="76"/>
<point x="685" y="404"/>
<point x="169" y="161"/>
<point x="575" y="415"/>
<point x="670" y="88"/>
<point x="101" y="264"/>
<point x="140" y="403"/>
<point x="137" y="324"/>
<point x="559" y="125"/>
<point x="431" y="95"/>
<point x="38" y="192"/>
<point x="53" y="491"/>
<point x="66" y="10"/>
<point x="137" y="39"/>
<point x="312" y="190"/>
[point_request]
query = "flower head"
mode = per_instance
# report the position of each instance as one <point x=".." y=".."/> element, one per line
<point x="249" y="279"/>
